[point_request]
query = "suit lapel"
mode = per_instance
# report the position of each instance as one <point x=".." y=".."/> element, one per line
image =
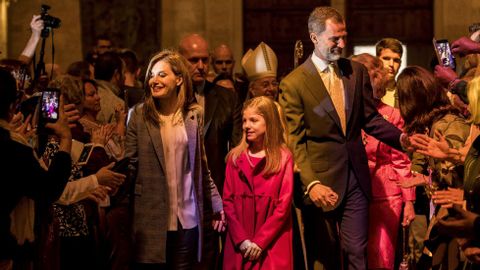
<point x="211" y="101"/>
<point x="191" y="128"/>
<point x="154" y="133"/>
<point x="317" y="89"/>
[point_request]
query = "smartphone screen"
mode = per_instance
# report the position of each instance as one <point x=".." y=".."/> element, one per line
<point x="50" y="104"/>
<point x="444" y="54"/>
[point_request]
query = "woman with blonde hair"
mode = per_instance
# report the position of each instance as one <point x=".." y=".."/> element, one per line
<point x="175" y="197"/>
<point x="258" y="193"/>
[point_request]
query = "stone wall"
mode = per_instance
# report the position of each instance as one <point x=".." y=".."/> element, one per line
<point x="67" y="39"/>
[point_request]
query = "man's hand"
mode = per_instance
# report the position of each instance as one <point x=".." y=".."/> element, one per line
<point x="445" y="75"/>
<point x="219" y="222"/>
<point x="323" y="196"/>
<point x="464" y="46"/>
<point x="461" y="226"/>
<point x="408" y="213"/>
<point x="405" y="143"/>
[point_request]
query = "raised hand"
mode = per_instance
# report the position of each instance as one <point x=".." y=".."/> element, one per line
<point x="72" y="114"/>
<point x="447" y="198"/>
<point x="445" y="75"/>
<point x="464" y="46"/>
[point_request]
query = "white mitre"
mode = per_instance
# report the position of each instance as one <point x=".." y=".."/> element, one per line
<point x="260" y="63"/>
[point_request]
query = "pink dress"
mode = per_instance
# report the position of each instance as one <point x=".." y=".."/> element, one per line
<point x="387" y="167"/>
<point x="258" y="208"/>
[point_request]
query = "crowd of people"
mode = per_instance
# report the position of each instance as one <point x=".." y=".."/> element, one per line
<point x="338" y="165"/>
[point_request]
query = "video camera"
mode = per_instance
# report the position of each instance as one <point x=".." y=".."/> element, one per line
<point x="49" y="22"/>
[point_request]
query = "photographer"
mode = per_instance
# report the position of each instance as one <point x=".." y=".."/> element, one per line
<point x="21" y="171"/>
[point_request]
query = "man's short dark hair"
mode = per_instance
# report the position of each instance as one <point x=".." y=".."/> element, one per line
<point x="319" y="16"/>
<point x="389" y="43"/>
<point x="130" y="59"/>
<point x="103" y="37"/>
<point x="106" y="64"/>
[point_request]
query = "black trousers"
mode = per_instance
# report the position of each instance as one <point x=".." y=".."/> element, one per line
<point x="339" y="237"/>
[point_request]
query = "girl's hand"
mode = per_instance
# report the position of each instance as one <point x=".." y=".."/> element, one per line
<point x="244" y="246"/>
<point x="253" y="252"/>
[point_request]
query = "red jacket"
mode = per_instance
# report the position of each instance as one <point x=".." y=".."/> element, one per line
<point x="258" y="208"/>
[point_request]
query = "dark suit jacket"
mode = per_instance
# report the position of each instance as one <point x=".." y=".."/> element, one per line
<point x="144" y="147"/>
<point x="223" y="128"/>
<point x="322" y="152"/>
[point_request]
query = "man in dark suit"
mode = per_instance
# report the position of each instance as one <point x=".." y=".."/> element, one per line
<point x="327" y="101"/>
<point x="222" y="120"/>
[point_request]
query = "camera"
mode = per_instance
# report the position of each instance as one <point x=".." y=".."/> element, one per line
<point x="49" y="22"/>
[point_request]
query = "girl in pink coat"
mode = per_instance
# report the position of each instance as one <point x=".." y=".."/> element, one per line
<point x="257" y="195"/>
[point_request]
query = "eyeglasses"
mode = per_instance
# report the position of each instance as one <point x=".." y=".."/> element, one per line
<point x="223" y="62"/>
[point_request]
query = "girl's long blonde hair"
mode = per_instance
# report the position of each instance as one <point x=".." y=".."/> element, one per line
<point x="273" y="142"/>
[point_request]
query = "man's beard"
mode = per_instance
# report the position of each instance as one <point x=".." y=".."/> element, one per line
<point x="334" y="54"/>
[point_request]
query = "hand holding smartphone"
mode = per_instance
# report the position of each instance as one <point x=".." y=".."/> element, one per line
<point x="444" y="53"/>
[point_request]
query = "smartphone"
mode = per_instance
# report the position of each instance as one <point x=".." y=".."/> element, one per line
<point x="85" y="154"/>
<point x="121" y="166"/>
<point x="444" y="54"/>
<point x="49" y="105"/>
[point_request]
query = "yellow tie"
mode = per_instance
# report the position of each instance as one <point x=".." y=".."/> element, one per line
<point x="335" y="90"/>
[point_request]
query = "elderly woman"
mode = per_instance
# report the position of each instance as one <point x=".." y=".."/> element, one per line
<point x="175" y="196"/>
<point x="388" y="167"/>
